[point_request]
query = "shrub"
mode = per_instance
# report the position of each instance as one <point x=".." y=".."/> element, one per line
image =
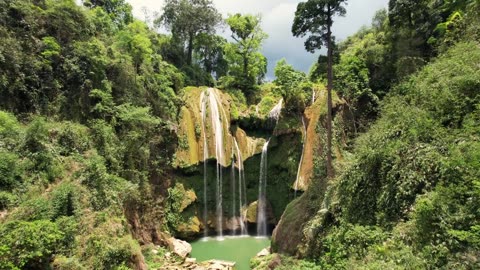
<point x="73" y="138"/>
<point x="28" y="245"/>
<point x="10" y="173"/>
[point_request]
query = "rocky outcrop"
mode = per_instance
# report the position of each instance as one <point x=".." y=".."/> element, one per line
<point x="312" y="116"/>
<point x="192" y="134"/>
<point x="179" y="247"/>
<point x="288" y="235"/>
<point x="252" y="213"/>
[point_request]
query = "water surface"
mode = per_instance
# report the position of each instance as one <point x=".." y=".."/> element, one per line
<point x="239" y="249"/>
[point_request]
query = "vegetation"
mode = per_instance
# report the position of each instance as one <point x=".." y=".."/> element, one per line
<point x="247" y="66"/>
<point x="90" y="103"/>
<point x="316" y="17"/>
<point x="404" y="198"/>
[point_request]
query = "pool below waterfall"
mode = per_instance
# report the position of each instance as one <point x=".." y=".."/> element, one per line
<point x="238" y="249"/>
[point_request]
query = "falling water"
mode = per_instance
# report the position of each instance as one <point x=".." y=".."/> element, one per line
<point x="233" y="189"/>
<point x="313" y="95"/>
<point x="242" y="190"/>
<point x="210" y="98"/>
<point x="274" y="114"/>
<point x="203" y="110"/>
<point x="262" y="186"/>
<point x="301" y="158"/>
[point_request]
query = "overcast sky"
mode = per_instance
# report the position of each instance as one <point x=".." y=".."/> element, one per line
<point x="277" y="19"/>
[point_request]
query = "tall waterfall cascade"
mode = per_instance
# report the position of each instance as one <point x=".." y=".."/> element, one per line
<point x="209" y="98"/>
<point x="297" y="179"/>
<point x="203" y="112"/>
<point x="273" y="116"/>
<point x="220" y="144"/>
<point x="262" y="194"/>
<point x="242" y="189"/>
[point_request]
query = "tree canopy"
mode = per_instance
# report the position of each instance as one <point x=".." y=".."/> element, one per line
<point x="246" y="63"/>
<point x="186" y="19"/>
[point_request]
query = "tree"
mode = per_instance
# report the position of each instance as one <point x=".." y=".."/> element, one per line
<point x="209" y="51"/>
<point x="246" y="64"/>
<point x="288" y="81"/>
<point x="186" y="19"/>
<point x="315" y="17"/>
<point x="120" y="12"/>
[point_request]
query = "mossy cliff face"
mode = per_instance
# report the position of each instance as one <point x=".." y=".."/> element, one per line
<point x="192" y="134"/>
<point x="292" y="230"/>
<point x="192" y="130"/>
<point x="283" y="158"/>
<point x="312" y="143"/>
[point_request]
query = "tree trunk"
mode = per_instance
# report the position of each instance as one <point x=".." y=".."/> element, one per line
<point x="190" y="49"/>
<point x="330" y="172"/>
<point x="245" y="65"/>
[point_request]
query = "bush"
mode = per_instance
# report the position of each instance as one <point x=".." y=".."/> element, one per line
<point x="9" y="130"/>
<point x="73" y="138"/>
<point x="111" y="253"/>
<point x="28" y="245"/>
<point x="10" y="171"/>
<point x="7" y="200"/>
<point x="64" y="200"/>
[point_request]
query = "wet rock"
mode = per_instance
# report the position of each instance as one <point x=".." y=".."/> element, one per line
<point x="252" y="213"/>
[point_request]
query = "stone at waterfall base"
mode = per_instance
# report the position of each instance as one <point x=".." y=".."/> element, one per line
<point x="264" y="252"/>
<point x="253" y="209"/>
<point x="179" y="247"/>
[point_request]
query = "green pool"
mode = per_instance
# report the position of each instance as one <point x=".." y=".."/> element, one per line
<point x="239" y="249"/>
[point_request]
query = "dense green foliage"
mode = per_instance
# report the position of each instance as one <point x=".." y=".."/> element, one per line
<point x="247" y="66"/>
<point x="409" y="194"/>
<point x="89" y="107"/>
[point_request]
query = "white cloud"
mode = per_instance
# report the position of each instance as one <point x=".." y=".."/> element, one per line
<point x="277" y="21"/>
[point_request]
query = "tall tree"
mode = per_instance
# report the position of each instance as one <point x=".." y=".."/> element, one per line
<point x="186" y="19"/>
<point x="119" y="11"/>
<point x="315" y="18"/>
<point x="246" y="63"/>
<point x="209" y="52"/>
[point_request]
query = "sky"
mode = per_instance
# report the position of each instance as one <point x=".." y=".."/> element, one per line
<point x="277" y="20"/>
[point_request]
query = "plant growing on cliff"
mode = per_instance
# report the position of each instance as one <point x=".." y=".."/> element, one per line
<point x="315" y="17"/>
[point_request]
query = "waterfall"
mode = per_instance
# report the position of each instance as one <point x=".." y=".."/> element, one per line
<point x="274" y="114"/>
<point x="242" y="189"/>
<point x="233" y="189"/>
<point x="210" y="98"/>
<point x="262" y="186"/>
<point x="313" y="95"/>
<point x="301" y="158"/>
<point x="203" y="110"/>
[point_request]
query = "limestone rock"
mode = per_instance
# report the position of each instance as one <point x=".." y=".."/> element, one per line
<point x="252" y="213"/>
<point x="179" y="247"/>
<point x="190" y="260"/>
<point x="264" y="252"/>
<point x="189" y="229"/>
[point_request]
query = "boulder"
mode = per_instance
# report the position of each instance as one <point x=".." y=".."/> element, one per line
<point x="252" y="213"/>
<point x="264" y="252"/>
<point x="179" y="247"/>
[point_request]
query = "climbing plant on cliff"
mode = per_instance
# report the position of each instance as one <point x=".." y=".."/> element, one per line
<point x="315" y="17"/>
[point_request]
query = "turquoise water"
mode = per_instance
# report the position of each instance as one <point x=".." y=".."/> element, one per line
<point x="236" y="249"/>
